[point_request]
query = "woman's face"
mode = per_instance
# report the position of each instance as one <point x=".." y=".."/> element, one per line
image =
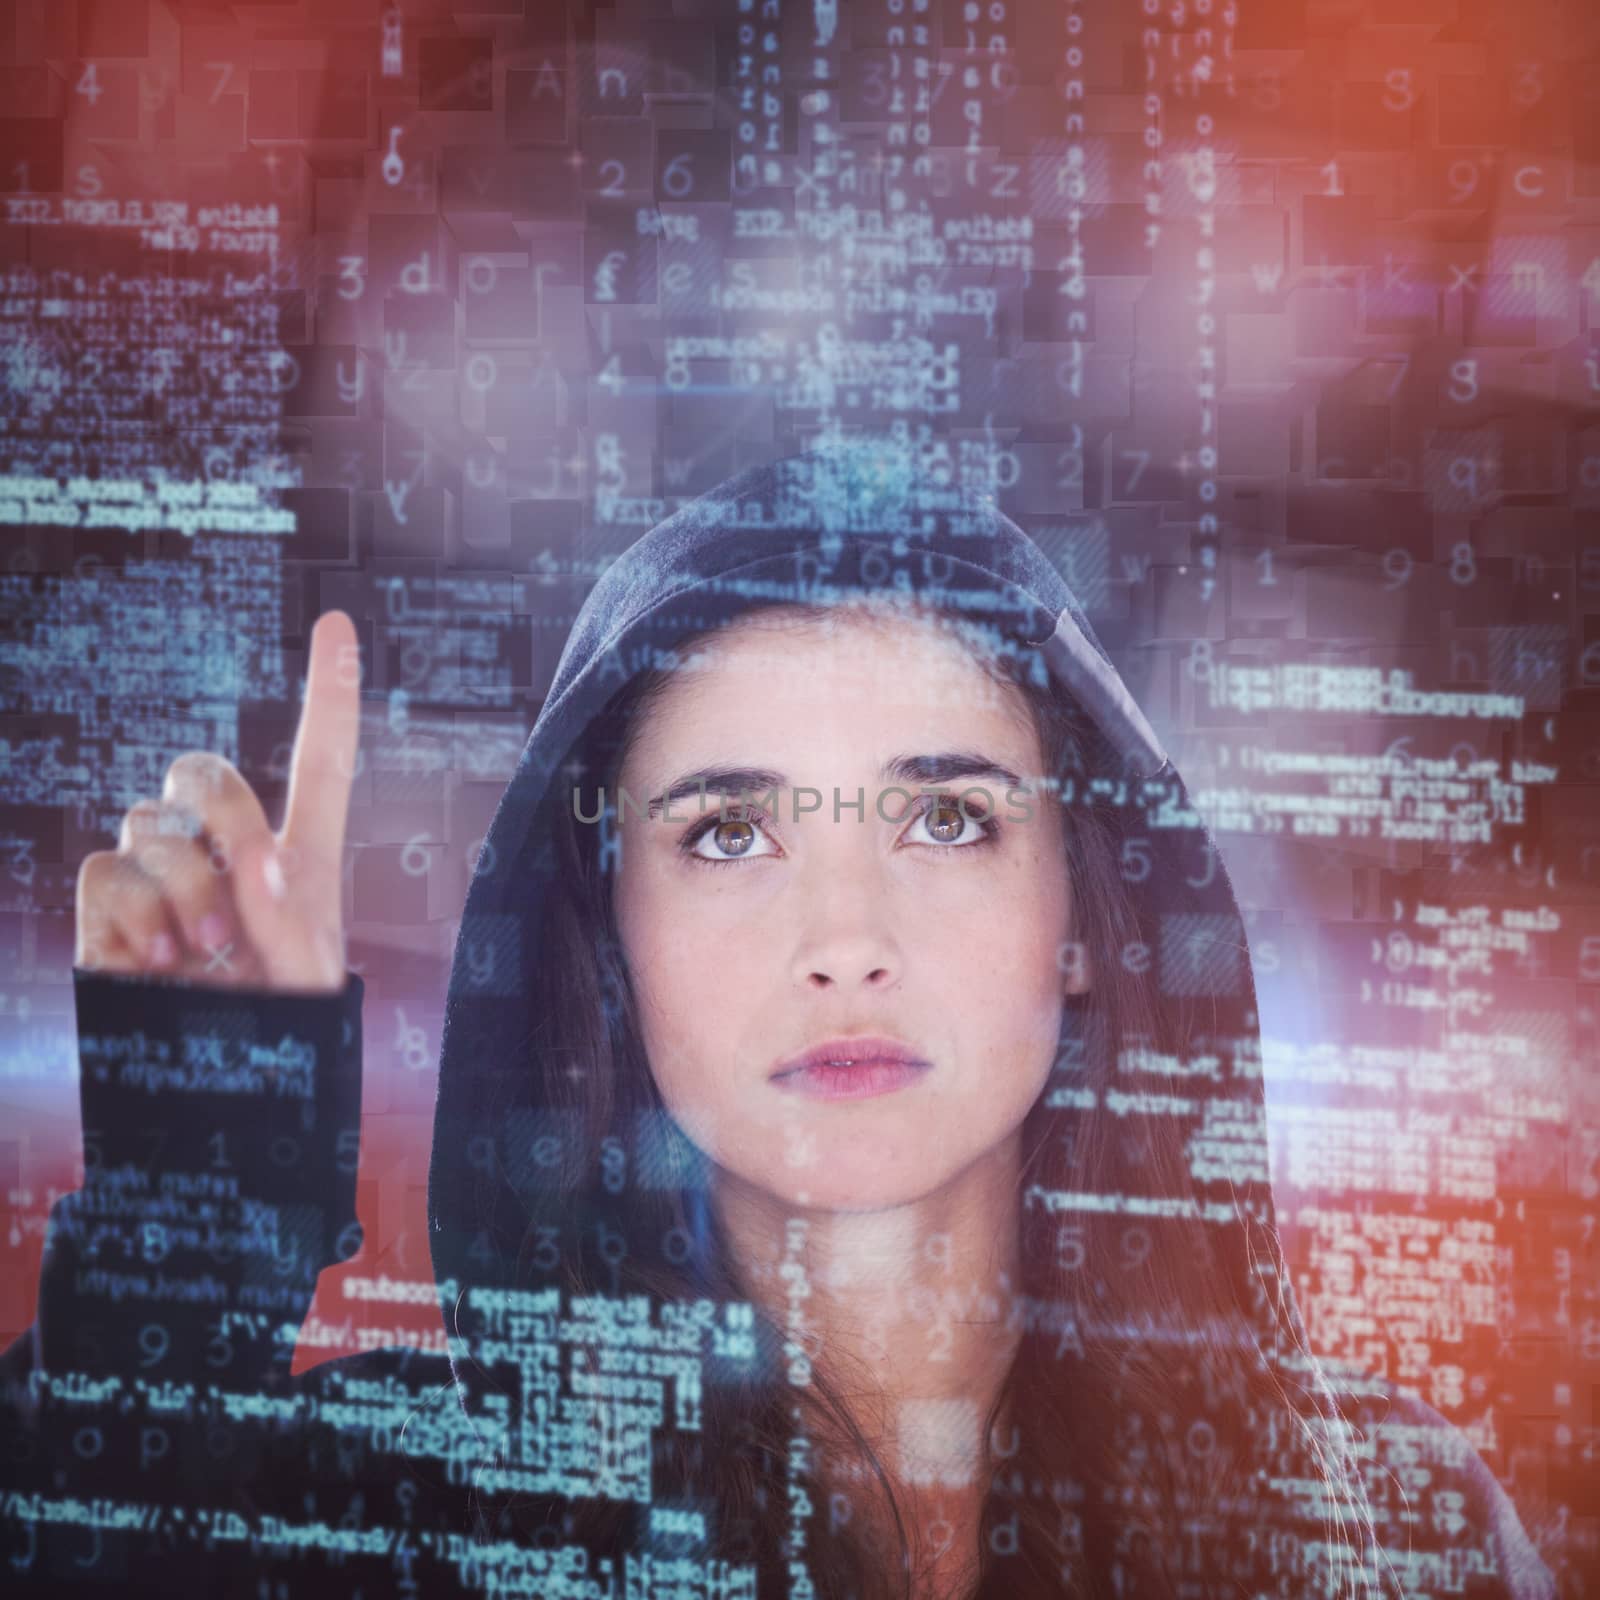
<point x="750" y="940"/>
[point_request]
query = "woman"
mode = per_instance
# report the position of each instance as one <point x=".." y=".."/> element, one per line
<point x="864" y="1195"/>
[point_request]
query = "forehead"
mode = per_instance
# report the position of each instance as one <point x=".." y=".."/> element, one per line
<point x="847" y="634"/>
<point x="855" y="672"/>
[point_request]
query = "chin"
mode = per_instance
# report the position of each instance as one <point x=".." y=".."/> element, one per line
<point x="834" y="1196"/>
<point x="841" y="1181"/>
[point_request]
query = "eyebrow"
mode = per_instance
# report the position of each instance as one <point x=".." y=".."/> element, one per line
<point x="943" y="766"/>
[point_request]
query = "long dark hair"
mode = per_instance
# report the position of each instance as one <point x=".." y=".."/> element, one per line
<point x="1170" y="1429"/>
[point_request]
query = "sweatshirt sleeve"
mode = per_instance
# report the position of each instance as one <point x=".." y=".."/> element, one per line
<point x="1445" y="1524"/>
<point x="221" y="1132"/>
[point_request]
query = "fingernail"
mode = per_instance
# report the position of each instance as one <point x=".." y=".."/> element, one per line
<point x="213" y="930"/>
<point x="162" y="950"/>
<point x="272" y="872"/>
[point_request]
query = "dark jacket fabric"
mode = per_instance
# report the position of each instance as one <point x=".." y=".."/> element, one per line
<point x="154" y="1437"/>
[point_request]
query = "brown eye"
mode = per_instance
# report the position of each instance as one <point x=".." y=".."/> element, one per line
<point x="726" y="840"/>
<point x="946" y="823"/>
<point x="734" y="837"/>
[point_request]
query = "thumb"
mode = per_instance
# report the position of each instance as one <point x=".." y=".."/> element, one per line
<point x="292" y="923"/>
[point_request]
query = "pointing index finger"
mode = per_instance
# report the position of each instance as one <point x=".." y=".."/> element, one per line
<point x="322" y="769"/>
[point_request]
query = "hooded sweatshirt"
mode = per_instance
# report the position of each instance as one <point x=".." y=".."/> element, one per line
<point x="158" y="1437"/>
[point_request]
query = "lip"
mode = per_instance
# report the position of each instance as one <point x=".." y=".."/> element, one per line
<point x="876" y="1065"/>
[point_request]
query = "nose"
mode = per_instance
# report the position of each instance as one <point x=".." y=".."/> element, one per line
<point x="846" y="939"/>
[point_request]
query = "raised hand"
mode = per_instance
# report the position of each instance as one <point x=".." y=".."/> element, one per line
<point x="200" y="889"/>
